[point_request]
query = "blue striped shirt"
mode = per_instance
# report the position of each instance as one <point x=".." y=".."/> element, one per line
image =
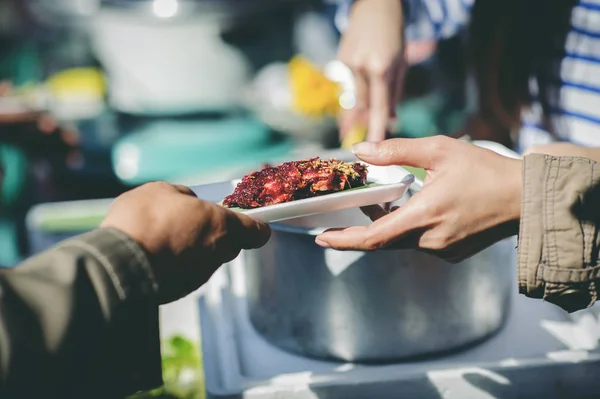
<point x="578" y="113"/>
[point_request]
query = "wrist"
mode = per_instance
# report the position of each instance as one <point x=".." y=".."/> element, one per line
<point x="593" y="153"/>
<point x="398" y="4"/>
<point x="514" y="190"/>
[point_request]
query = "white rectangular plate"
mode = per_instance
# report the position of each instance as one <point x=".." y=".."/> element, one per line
<point x="387" y="184"/>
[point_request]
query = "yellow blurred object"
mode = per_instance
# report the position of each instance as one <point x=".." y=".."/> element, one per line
<point x="356" y="135"/>
<point x="313" y="94"/>
<point x="77" y="81"/>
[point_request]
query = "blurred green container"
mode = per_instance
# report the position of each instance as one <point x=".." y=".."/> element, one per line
<point x="170" y="149"/>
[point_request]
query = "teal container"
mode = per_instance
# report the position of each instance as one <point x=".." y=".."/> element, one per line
<point x="170" y="149"/>
<point x="9" y="250"/>
<point x="14" y="176"/>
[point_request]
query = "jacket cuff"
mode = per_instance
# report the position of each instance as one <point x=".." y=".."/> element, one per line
<point x="558" y="238"/>
<point x="134" y="314"/>
<point x="531" y="226"/>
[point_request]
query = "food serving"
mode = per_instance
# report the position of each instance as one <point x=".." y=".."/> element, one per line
<point x="296" y="180"/>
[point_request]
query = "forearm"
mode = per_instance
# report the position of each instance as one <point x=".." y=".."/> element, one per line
<point x="558" y="239"/>
<point x="80" y="320"/>
<point x="594" y="154"/>
<point x="423" y="19"/>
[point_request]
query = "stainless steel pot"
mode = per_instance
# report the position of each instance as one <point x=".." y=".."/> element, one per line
<point x="381" y="306"/>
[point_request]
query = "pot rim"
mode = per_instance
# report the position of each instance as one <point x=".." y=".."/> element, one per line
<point x="287" y="228"/>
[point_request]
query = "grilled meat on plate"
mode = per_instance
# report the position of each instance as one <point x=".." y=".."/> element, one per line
<point x="296" y="180"/>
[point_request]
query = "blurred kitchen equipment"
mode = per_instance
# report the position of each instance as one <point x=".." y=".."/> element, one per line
<point x="300" y="98"/>
<point x="13" y="171"/>
<point x="270" y="98"/>
<point x="167" y="149"/>
<point x="169" y="57"/>
<point x="159" y="63"/>
<point x="315" y="38"/>
<point x="19" y="108"/>
<point x="48" y="224"/>
<point x="76" y="94"/>
<point x="62" y="31"/>
<point x="71" y="13"/>
<point x="379" y="306"/>
<point x="9" y="248"/>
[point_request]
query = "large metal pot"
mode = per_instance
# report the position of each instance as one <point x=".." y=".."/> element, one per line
<point x="381" y="306"/>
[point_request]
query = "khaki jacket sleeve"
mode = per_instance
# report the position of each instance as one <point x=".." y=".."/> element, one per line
<point x="80" y="321"/>
<point x="558" y="238"/>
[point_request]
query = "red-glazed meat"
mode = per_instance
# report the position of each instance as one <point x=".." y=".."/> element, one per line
<point x="296" y="180"/>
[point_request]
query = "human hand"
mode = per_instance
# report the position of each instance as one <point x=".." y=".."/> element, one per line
<point x="372" y="47"/>
<point x="187" y="239"/>
<point x="565" y="150"/>
<point x="471" y="198"/>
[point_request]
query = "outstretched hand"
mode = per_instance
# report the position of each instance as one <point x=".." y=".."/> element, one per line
<point x="187" y="239"/>
<point x="471" y="198"/>
<point x="372" y="47"/>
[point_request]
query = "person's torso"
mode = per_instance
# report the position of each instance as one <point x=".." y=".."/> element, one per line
<point x="576" y="117"/>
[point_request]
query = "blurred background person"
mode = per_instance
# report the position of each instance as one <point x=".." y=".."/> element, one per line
<point x="534" y="65"/>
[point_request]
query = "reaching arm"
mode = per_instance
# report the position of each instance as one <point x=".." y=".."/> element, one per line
<point x="80" y="321"/>
<point x="551" y="202"/>
<point x="423" y="19"/>
<point x="373" y="48"/>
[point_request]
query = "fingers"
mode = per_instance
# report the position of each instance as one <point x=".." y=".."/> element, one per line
<point x="229" y="255"/>
<point x="393" y="96"/>
<point x="345" y="121"/>
<point x="249" y="233"/>
<point x="380" y="234"/>
<point x="374" y="212"/>
<point x="360" y="238"/>
<point x="345" y="239"/>
<point x="379" y="107"/>
<point x="357" y="115"/>
<point x="361" y="95"/>
<point x="397" y="84"/>
<point x="376" y="97"/>
<point x="421" y="153"/>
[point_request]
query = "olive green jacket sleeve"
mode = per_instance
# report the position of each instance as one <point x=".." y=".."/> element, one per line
<point x="80" y="321"/>
<point x="558" y="238"/>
